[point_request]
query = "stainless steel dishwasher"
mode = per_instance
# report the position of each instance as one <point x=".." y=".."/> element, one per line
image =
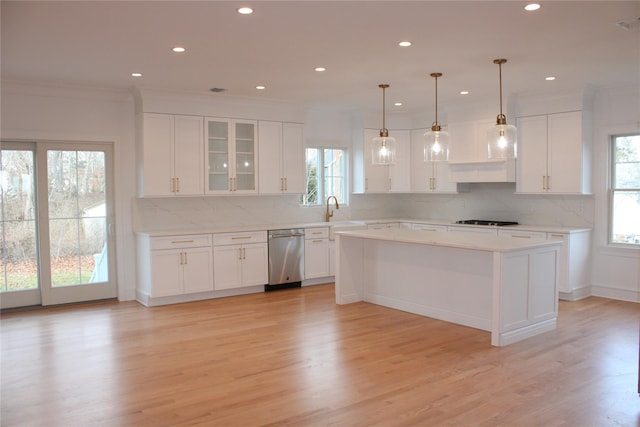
<point x="286" y="258"/>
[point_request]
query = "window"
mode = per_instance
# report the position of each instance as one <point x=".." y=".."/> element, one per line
<point x="625" y="189"/>
<point x="326" y="176"/>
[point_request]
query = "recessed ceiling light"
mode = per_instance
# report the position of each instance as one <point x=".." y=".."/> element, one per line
<point x="320" y="69"/>
<point x="405" y="43"/>
<point x="245" y="10"/>
<point x="398" y="104"/>
<point x="136" y="74"/>
<point x="464" y="92"/>
<point x="531" y="7"/>
<point x="550" y="78"/>
<point x="178" y="49"/>
<point x="260" y="87"/>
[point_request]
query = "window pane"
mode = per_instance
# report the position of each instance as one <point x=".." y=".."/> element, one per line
<point x="626" y="214"/>
<point x="626" y="162"/>
<point x="19" y="269"/>
<point x="326" y="176"/>
<point x="77" y="217"/>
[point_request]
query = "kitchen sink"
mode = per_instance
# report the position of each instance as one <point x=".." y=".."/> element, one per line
<point x="345" y="226"/>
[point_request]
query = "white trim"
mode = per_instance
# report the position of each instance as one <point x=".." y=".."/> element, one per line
<point x="617" y="294"/>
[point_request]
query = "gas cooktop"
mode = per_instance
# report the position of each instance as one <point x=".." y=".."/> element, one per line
<point x="486" y="222"/>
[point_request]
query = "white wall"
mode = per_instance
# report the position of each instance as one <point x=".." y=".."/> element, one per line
<point x="615" y="271"/>
<point x="41" y="112"/>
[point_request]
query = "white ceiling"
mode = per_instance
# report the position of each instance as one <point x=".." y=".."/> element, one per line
<point x="99" y="43"/>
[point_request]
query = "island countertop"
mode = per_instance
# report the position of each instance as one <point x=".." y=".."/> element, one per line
<point x="452" y="240"/>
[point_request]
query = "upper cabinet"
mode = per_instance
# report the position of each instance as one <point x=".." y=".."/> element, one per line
<point x="171" y="155"/>
<point x="428" y="177"/>
<point x="384" y="178"/>
<point x="554" y="154"/>
<point x="281" y="160"/>
<point x="468" y="159"/>
<point x="231" y="156"/>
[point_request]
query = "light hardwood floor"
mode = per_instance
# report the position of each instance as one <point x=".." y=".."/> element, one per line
<point x="296" y="358"/>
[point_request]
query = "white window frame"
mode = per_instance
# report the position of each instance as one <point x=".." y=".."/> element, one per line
<point x="635" y="247"/>
<point x="343" y="198"/>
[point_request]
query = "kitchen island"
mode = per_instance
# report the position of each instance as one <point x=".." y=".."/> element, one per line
<point x="503" y="285"/>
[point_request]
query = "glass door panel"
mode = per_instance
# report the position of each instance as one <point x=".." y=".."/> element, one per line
<point x="218" y="169"/>
<point x="19" y="278"/>
<point x="77" y="217"/>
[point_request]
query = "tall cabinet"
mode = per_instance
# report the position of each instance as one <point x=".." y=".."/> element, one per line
<point x="431" y="177"/>
<point x="554" y="154"/>
<point x="385" y="178"/>
<point x="231" y="156"/>
<point x="171" y="155"/>
<point x="281" y="160"/>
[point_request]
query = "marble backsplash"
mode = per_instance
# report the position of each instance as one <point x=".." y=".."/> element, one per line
<point x="482" y="201"/>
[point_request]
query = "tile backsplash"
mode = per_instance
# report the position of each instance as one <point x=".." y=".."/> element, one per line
<point x="482" y="201"/>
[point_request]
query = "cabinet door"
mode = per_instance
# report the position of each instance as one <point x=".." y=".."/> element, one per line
<point x="532" y="154"/>
<point x="400" y="172"/>
<point x="442" y="182"/>
<point x="166" y="273"/>
<point x="293" y="159"/>
<point x="187" y="155"/>
<point x="197" y="270"/>
<point x="316" y="258"/>
<point x="376" y="177"/>
<point x="255" y="270"/>
<point x="246" y="156"/>
<point x="564" y="166"/>
<point x="269" y="158"/>
<point x="227" y="267"/>
<point x="421" y="172"/>
<point x="157" y="162"/>
<point x="218" y="155"/>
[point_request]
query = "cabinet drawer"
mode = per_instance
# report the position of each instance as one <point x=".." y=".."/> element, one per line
<point x="316" y="233"/>
<point x="177" y="242"/>
<point x="239" y="238"/>
<point x="523" y="234"/>
<point x="429" y="227"/>
<point x="480" y="230"/>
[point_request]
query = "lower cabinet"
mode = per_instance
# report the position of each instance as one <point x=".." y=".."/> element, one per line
<point x="316" y="253"/>
<point x="179" y="265"/>
<point x="240" y="259"/>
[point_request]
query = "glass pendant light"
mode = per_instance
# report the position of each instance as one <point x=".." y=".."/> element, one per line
<point x="501" y="138"/>
<point x="436" y="142"/>
<point x="383" y="150"/>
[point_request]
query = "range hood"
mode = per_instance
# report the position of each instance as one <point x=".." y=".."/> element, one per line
<point x="502" y="170"/>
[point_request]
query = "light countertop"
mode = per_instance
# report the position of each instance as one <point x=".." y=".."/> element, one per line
<point x="454" y="240"/>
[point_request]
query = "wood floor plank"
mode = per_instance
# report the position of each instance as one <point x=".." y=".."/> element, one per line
<point x="295" y="358"/>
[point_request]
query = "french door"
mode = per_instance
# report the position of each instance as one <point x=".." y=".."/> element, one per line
<point x="57" y="244"/>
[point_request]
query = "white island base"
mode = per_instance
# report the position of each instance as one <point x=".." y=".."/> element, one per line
<point x="505" y="286"/>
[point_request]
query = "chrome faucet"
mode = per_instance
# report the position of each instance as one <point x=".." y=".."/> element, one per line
<point x="328" y="214"/>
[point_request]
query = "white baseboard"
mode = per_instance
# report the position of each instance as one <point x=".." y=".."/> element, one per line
<point x="613" y="293"/>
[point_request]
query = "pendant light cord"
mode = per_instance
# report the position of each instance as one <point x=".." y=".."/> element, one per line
<point x="501" y="119"/>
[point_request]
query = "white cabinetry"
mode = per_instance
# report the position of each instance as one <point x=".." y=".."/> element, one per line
<point x="171" y="155"/>
<point x="554" y="154"/>
<point x="281" y="159"/>
<point x="469" y="160"/>
<point x="477" y="230"/>
<point x="231" y="156"/>
<point x="429" y="227"/>
<point x="383" y="225"/>
<point x="175" y="265"/>
<point x="316" y="253"/>
<point x="240" y="259"/>
<point x="575" y="253"/>
<point x="434" y="177"/>
<point x="522" y="234"/>
<point x="387" y="178"/>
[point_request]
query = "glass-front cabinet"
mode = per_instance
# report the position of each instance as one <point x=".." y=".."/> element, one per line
<point x="231" y="156"/>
